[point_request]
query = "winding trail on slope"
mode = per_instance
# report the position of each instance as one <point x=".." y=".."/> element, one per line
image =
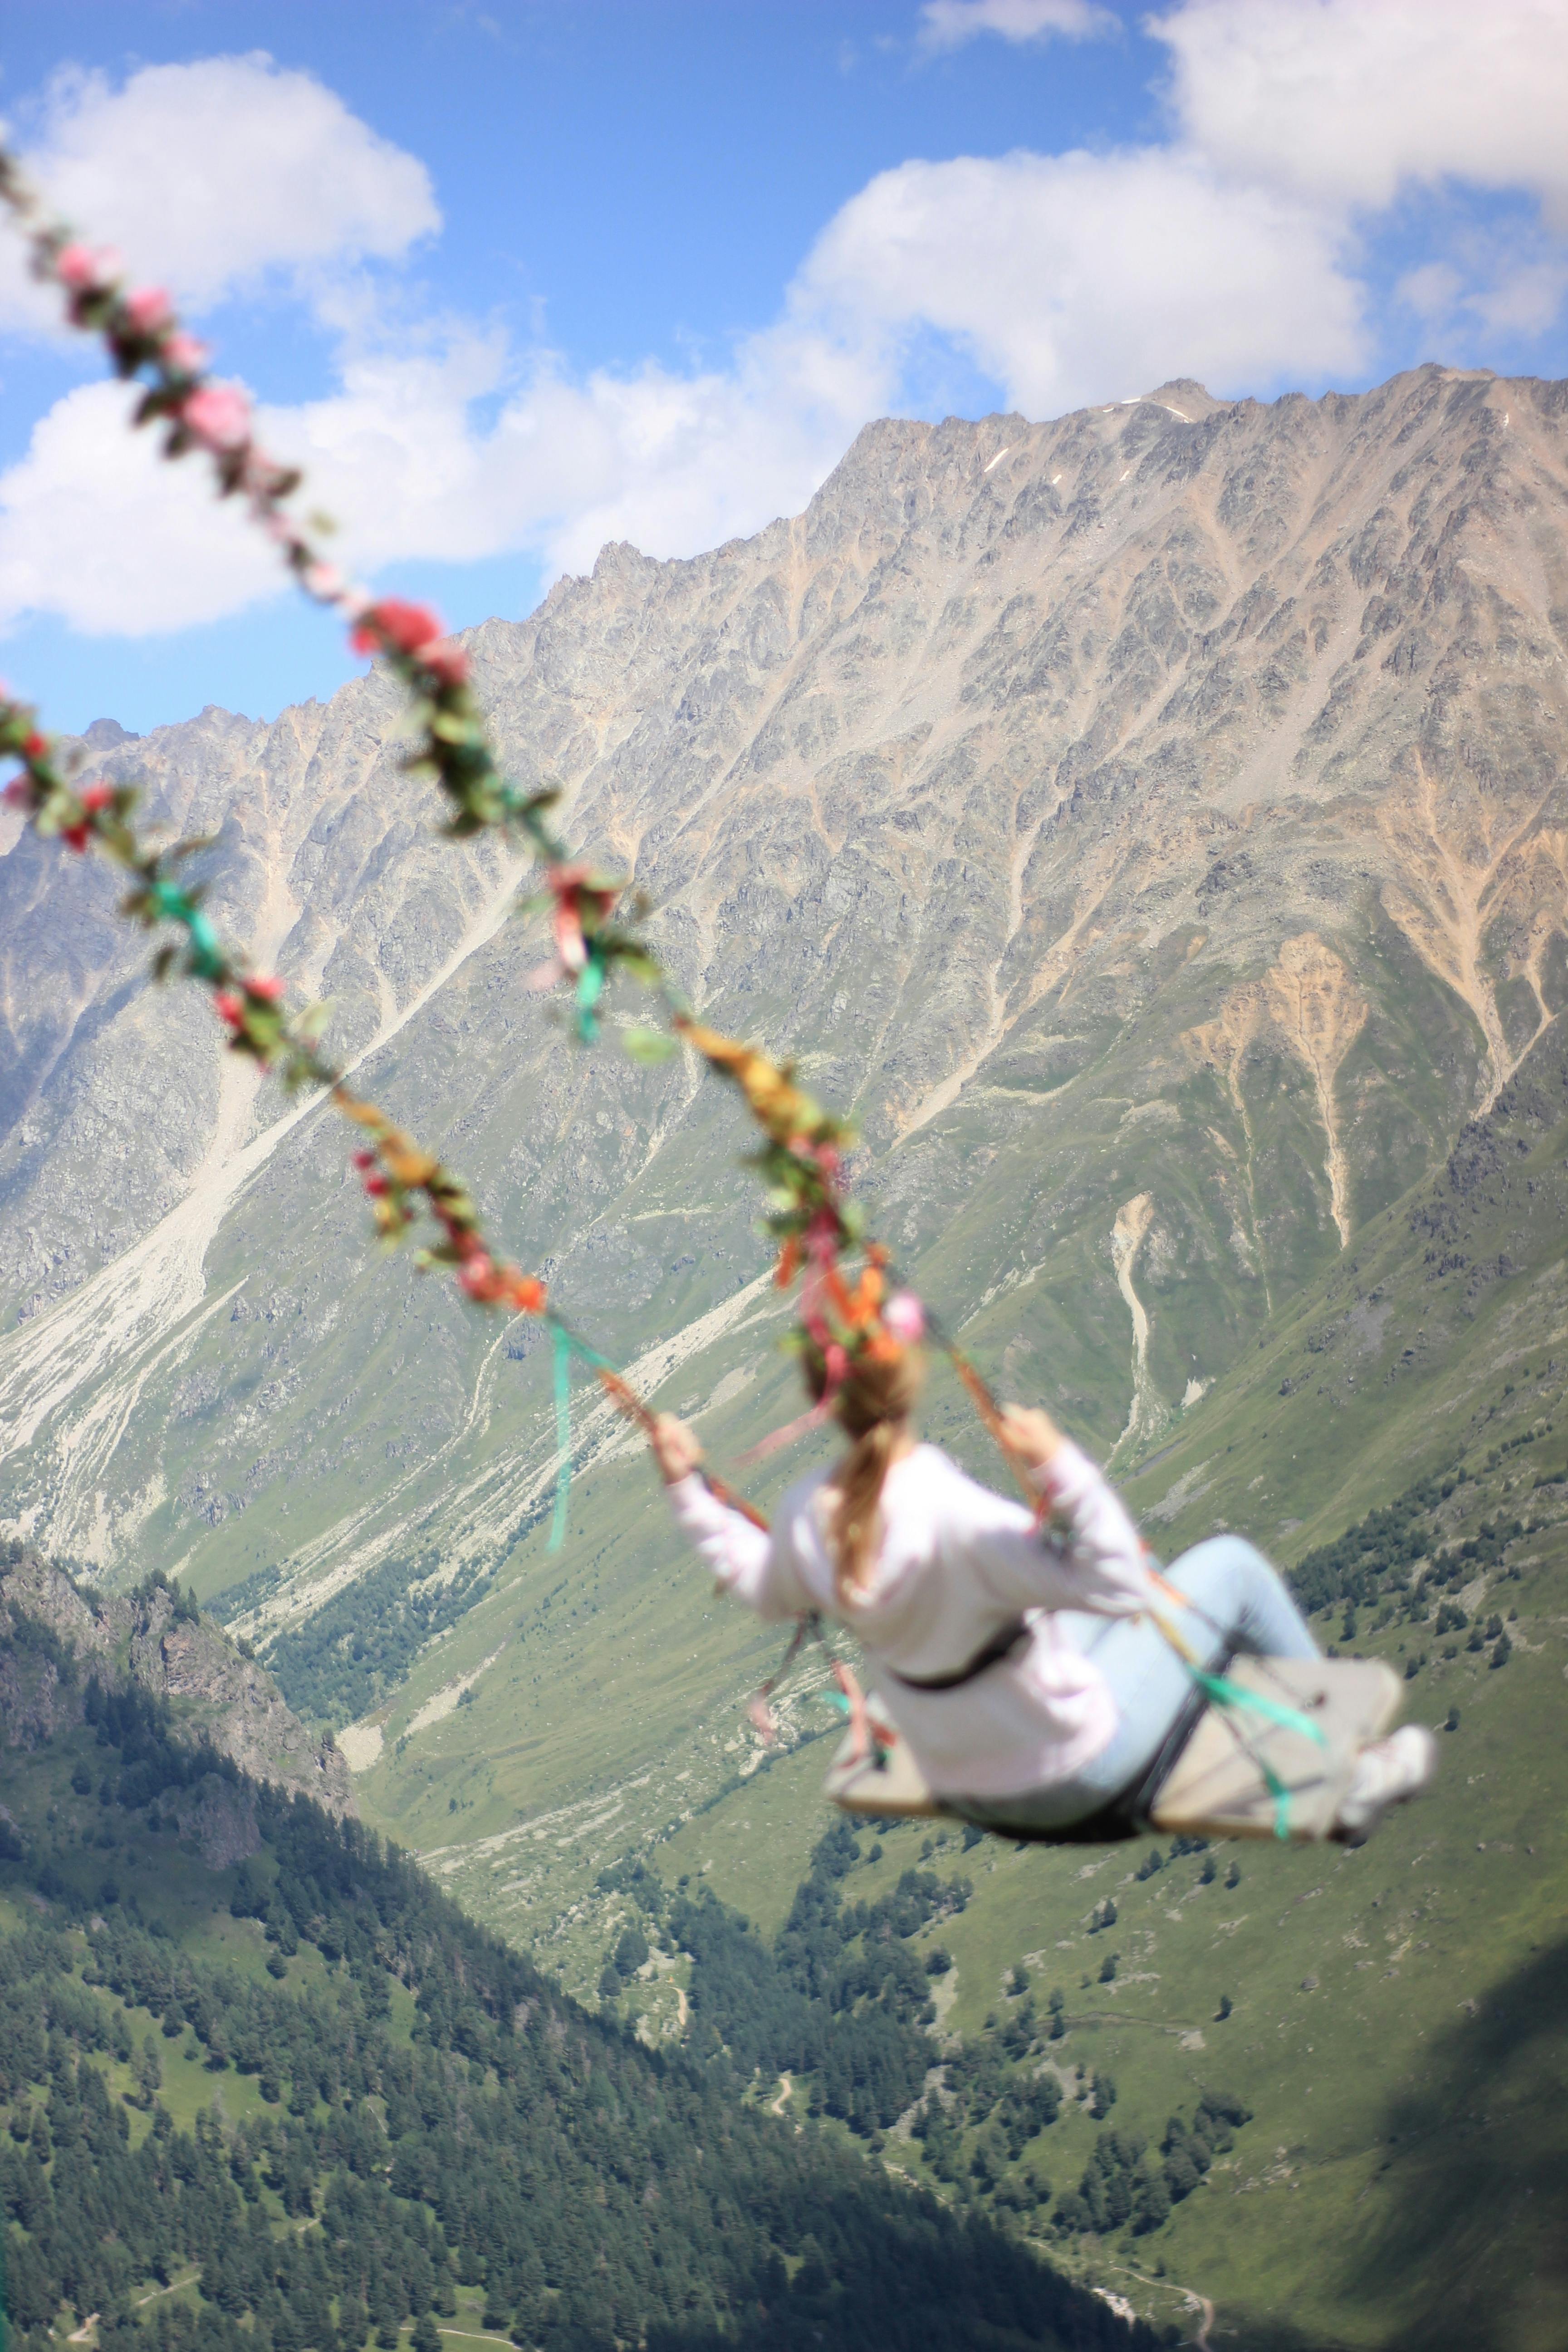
<point x="1190" y="2296"/>
<point x="1127" y="1235"/>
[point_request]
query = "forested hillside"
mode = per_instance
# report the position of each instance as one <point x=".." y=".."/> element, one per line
<point x="292" y="2099"/>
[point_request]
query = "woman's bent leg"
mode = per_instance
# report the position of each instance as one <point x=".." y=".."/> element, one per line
<point x="1151" y="1687"/>
<point x="1240" y="1604"/>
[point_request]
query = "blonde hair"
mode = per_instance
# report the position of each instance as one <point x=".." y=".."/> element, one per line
<point x="871" y="1406"/>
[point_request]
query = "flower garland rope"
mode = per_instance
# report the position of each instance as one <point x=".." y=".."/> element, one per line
<point x="815" y="1222"/>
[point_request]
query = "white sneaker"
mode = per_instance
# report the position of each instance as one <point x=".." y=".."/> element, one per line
<point x="1388" y="1772"/>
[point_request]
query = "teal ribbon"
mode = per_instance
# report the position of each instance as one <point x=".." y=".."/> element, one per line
<point x="206" y="951"/>
<point x="207" y="958"/>
<point x="590" y="988"/>
<point x="1225" y="1693"/>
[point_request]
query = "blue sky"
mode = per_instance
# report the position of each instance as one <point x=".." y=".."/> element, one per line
<point x="517" y="279"/>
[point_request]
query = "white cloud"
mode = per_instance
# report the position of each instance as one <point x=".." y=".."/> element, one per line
<point x="1069" y="278"/>
<point x="1230" y="253"/>
<point x="208" y="176"/>
<point x="1078" y="277"/>
<point x="949" y="24"/>
<point x="1349" y="101"/>
<point x="94" y="527"/>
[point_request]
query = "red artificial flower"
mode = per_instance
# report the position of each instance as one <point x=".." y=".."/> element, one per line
<point x="75" y="837"/>
<point x="18" y="792"/>
<point x="377" y="1187"/>
<point x="228" y="1007"/>
<point x="477" y="1277"/>
<point x="407" y="628"/>
<point x="33" y="746"/>
<point x="575" y="900"/>
<point x="446" y="661"/>
<point x="94" y="797"/>
<point x="364" y="1160"/>
<point x="270" y="992"/>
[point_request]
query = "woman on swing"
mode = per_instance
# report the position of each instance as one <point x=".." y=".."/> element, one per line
<point x="1015" y="1654"/>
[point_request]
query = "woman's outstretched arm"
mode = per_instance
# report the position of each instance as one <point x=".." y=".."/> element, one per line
<point x="745" y="1560"/>
<point x="1097" y="1562"/>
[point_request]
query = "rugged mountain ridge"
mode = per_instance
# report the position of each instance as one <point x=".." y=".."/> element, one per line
<point x="1150" y="822"/>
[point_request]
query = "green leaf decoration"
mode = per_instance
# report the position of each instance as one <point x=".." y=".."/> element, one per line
<point x="648" y="1045"/>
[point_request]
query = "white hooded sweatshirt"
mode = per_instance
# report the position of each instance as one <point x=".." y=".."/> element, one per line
<point x="954" y="1565"/>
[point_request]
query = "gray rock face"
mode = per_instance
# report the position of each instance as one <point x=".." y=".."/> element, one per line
<point x="1151" y="823"/>
<point x="216" y="1695"/>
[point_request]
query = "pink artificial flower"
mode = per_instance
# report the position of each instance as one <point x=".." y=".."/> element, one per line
<point x="149" y="309"/>
<point x="363" y="1160"/>
<point x="94" y="797"/>
<point x="18" y="792"/>
<point x="184" y="354"/>
<point x="73" y="266"/>
<point x="904" y="1319"/>
<point x="476" y="1275"/>
<point x="228" y="1007"/>
<point x="271" y="992"/>
<point x="80" y="268"/>
<point x="219" y="416"/>
<point x="325" y="580"/>
<point x="407" y="627"/>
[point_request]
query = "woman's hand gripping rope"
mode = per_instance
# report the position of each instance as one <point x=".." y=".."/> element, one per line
<point x="1029" y="1439"/>
<point x="679" y="1453"/>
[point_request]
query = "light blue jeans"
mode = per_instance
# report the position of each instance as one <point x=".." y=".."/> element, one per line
<point x="1239" y="1607"/>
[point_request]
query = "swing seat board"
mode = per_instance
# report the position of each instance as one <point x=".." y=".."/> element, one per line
<point x="889" y="1782"/>
<point x="1215" y="1788"/>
